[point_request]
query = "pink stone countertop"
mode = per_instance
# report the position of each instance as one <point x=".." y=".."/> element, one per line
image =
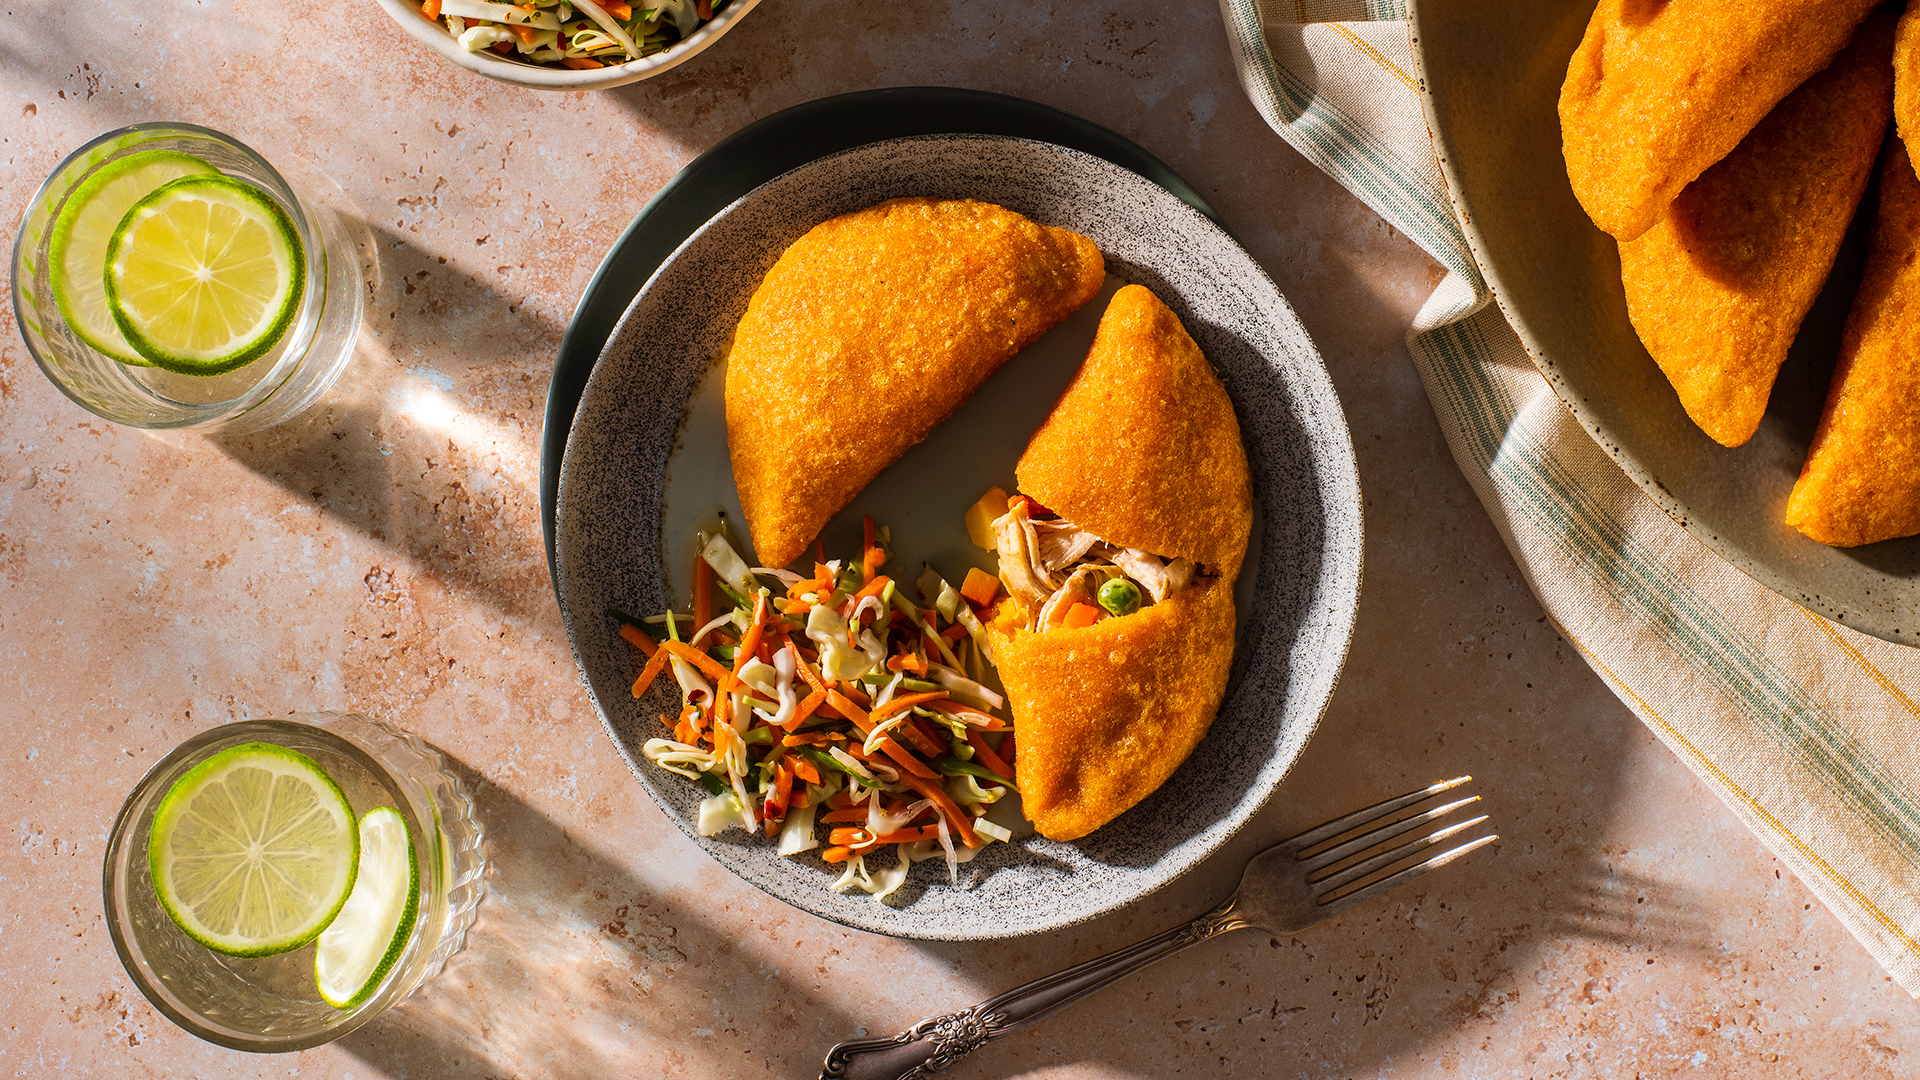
<point x="385" y="558"/>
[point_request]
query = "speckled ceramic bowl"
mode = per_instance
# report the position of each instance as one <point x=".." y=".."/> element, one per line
<point x="539" y="77"/>
<point x="647" y="457"/>
<point x="1492" y="70"/>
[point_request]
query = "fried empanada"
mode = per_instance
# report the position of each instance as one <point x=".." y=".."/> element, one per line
<point x="1659" y="90"/>
<point x="1718" y="287"/>
<point x="869" y="331"/>
<point x="1141" y="459"/>
<point x="1861" y="480"/>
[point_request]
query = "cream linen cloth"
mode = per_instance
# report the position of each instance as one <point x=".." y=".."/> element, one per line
<point x="1806" y="729"/>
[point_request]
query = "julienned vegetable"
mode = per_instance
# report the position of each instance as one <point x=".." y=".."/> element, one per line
<point x="572" y="33"/>
<point x="833" y="702"/>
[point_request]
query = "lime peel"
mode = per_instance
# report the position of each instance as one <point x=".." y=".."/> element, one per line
<point x="369" y="935"/>
<point x="254" y="851"/>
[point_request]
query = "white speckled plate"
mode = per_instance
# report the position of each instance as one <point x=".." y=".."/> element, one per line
<point x="647" y="455"/>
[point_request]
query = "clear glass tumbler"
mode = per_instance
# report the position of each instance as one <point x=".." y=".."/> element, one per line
<point x="287" y="379"/>
<point x="270" y="1004"/>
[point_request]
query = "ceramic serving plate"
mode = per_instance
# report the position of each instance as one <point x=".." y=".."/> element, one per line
<point x="646" y="459"/>
<point x="1492" y="71"/>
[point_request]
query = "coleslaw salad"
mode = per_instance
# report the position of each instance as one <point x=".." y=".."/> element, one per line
<point x="833" y="704"/>
<point x="582" y="34"/>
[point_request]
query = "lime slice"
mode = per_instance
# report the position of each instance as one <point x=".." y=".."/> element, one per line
<point x="356" y="952"/>
<point x="204" y="274"/>
<point x="77" y="249"/>
<point x="253" y="851"/>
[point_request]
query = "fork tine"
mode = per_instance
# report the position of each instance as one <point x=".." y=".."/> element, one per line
<point x="1394" y="880"/>
<point x="1381" y="835"/>
<point x="1372" y="813"/>
<point x="1382" y="861"/>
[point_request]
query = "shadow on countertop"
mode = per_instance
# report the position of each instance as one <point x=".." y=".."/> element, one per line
<point x="573" y="954"/>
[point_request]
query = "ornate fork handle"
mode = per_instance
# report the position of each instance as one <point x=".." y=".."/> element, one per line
<point x="933" y="1044"/>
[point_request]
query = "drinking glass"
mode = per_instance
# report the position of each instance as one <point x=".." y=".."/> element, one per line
<point x="287" y="379"/>
<point x="271" y="1003"/>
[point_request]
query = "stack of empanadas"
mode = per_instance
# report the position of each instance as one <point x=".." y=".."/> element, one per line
<point x="1727" y="148"/>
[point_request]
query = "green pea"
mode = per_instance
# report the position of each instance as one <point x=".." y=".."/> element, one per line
<point x="1119" y="597"/>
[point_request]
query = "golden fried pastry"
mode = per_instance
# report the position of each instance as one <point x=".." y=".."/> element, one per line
<point x="1861" y="480"/>
<point x="1718" y="287"/>
<point x="1105" y="713"/>
<point x="1659" y="90"/>
<point x="1116" y="637"/>
<point x="868" y="332"/>
<point x="1906" y="75"/>
<point x="1172" y="478"/>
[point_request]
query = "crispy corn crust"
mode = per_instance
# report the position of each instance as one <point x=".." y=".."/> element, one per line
<point x="1861" y="480"/>
<point x="1659" y="90"/>
<point x="1107" y="712"/>
<point x="1906" y="75"/>
<point x="867" y="333"/>
<point x="1718" y="287"/>
<point x="1143" y="448"/>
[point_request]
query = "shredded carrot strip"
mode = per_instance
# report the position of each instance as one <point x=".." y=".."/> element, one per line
<point x="908" y="836"/>
<point x="851" y="813"/>
<point x="813" y="680"/>
<point x="923" y="738"/>
<point x="836" y="854"/>
<point x="853" y="837"/>
<point x="751" y="643"/>
<point x="904" y="701"/>
<point x="647" y="674"/>
<point x="957" y="631"/>
<point x="581" y="63"/>
<point x="985" y="755"/>
<point x="956" y="818"/>
<point x="431" y="9"/>
<point x="806" y="710"/>
<point x="900" y="754"/>
<point x="707" y="664"/>
<point x="804" y="770"/>
<point x="640" y="639"/>
<point x="873" y="587"/>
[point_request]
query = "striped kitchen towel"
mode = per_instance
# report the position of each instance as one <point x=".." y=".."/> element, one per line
<point x="1802" y="726"/>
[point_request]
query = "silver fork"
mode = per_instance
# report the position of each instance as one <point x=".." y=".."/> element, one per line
<point x="1286" y="888"/>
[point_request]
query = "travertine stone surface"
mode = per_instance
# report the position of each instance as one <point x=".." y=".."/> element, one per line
<point x="384" y="555"/>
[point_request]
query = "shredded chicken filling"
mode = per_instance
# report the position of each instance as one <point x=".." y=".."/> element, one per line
<point x="1052" y="565"/>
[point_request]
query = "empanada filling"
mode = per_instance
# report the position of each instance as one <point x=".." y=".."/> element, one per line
<point x="1065" y="576"/>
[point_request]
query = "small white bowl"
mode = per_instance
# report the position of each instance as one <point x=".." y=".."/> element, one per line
<point x="434" y="35"/>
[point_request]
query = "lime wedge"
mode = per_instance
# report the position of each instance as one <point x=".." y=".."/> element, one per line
<point x="356" y="952"/>
<point x="253" y="851"/>
<point x="204" y="274"/>
<point x="77" y="249"/>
